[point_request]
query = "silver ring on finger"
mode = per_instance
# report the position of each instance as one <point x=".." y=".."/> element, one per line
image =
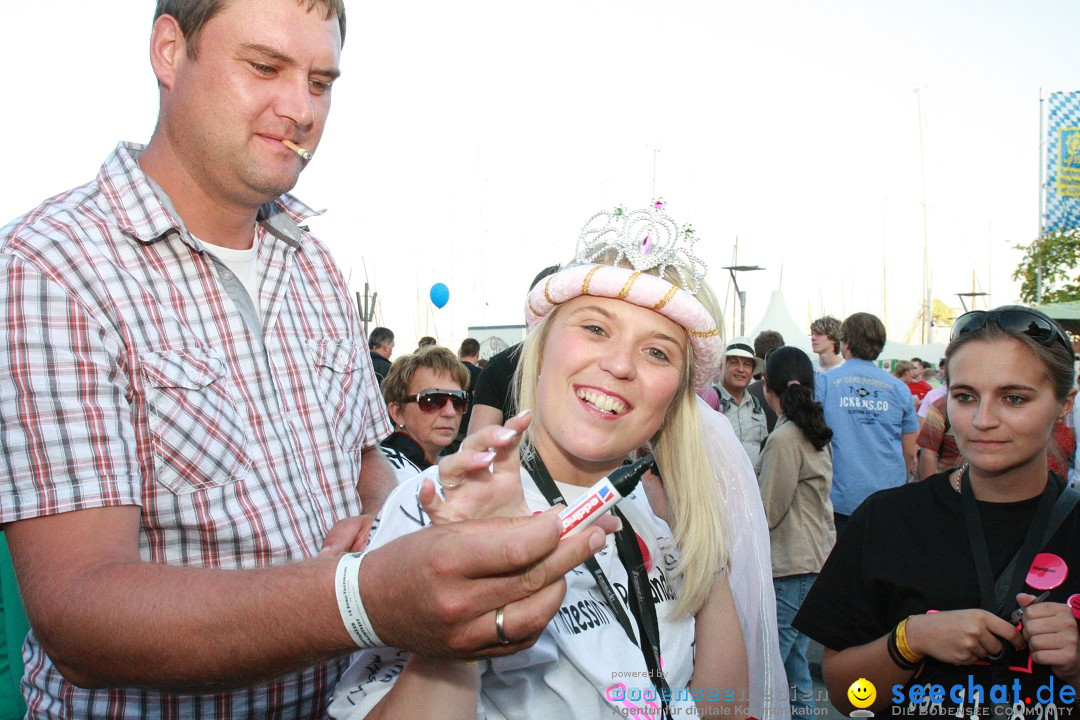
<point x="451" y="486"/>
<point x="500" y="631"/>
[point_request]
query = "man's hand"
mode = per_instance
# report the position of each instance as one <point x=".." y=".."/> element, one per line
<point x="435" y="592"/>
<point x="348" y="535"/>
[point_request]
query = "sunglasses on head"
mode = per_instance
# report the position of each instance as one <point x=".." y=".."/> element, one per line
<point x="435" y="400"/>
<point x="1035" y="325"/>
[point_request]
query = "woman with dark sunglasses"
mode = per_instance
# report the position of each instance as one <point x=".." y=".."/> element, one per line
<point x="674" y="616"/>
<point x="426" y="397"/>
<point x="961" y="583"/>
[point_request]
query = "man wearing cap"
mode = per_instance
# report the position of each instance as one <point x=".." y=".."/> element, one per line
<point x="745" y="411"/>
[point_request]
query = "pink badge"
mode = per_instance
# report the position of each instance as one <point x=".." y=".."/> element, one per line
<point x="1047" y="572"/>
<point x="1074" y="605"/>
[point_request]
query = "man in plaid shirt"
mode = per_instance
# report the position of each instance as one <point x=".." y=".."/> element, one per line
<point x="190" y="421"/>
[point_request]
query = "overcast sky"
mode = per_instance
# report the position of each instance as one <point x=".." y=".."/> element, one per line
<point x="469" y="141"/>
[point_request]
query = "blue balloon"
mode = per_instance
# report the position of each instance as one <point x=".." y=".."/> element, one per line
<point x="439" y="294"/>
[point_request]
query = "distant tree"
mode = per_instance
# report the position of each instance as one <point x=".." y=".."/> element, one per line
<point x="1058" y="256"/>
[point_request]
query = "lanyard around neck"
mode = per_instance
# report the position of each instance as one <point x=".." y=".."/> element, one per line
<point x="640" y="591"/>
<point x="995" y="591"/>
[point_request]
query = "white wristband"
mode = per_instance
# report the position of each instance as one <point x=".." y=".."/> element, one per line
<point x="351" y="606"/>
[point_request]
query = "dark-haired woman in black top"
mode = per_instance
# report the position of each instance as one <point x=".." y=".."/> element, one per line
<point x="947" y="584"/>
<point x="795" y="474"/>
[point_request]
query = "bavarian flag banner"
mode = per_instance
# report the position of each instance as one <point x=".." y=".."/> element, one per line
<point x="1062" y="208"/>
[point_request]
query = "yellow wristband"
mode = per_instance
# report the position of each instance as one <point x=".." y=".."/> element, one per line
<point x="901" y="644"/>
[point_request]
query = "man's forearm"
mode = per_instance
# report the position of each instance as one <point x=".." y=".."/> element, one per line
<point x="191" y="629"/>
<point x="108" y="618"/>
<point x="484" y="415"/>
<point x="377" y="480"/>
<point x="911" y="449"/>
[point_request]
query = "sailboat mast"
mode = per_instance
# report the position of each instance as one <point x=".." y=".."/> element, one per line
<point x="926" y="232"/>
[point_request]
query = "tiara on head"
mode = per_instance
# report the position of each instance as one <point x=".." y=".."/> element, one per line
<point x="648" y="239"/>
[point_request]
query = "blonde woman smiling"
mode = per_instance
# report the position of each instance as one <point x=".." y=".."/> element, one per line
<point x="620" y="339"/>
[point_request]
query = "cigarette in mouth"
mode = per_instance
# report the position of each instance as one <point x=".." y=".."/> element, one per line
<point x="306" y="154"/>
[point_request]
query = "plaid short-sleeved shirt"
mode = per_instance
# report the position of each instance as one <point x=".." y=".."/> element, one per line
<point x="936" y="435"/>
<point x="129" y="376"/>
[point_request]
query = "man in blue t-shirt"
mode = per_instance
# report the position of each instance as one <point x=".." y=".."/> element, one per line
<point x="872" y="418"/>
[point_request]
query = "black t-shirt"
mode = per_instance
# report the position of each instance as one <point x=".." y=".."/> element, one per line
<point x="493" y="387"/>
<point x="905" y="551"/>
<point x="474" y="375"/>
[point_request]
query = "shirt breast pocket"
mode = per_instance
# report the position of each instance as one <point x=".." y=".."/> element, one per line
<point x="340" y="369"/>
<point x="197" y="435"/>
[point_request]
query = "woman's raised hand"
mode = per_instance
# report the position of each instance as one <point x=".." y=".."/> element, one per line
<point x="1052" y="636"/>
<point x="960" y="637"/>
<point x="482" y="479"/>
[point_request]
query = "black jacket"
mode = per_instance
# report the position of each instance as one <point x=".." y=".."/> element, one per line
<point x="381" y="366"/>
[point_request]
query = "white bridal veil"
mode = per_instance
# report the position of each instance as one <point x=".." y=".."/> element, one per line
<point x="751" y="565"/>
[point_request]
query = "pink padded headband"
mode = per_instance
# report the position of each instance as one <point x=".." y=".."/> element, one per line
<point x="644" y="290"/>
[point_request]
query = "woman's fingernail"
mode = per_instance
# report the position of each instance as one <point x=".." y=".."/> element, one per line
<point x="485" y="457"/>
<point x="505" y="434"/>
<point x="523" y="413"/>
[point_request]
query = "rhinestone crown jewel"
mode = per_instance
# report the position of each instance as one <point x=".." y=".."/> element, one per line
<point x="647" y="238"/>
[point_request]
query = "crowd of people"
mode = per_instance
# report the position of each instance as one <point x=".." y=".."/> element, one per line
<point x="220" y="503"/>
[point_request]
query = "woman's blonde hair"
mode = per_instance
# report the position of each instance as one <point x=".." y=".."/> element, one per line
<point x="697" y="516"/>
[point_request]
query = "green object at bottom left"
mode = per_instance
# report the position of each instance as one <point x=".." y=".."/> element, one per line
<point x="15" y="628"/>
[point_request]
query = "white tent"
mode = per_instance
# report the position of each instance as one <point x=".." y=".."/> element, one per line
<point x="779" y="319"/>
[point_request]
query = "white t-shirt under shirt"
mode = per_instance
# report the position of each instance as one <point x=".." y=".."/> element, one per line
<point x="584" y="665"/>
<point x="244" y="265"/>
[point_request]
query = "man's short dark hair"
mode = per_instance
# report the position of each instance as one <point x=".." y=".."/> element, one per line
<point x="379" y="337"/>
<point x="470" y="347"/>
<point x="864" y="334"/>
<point x="766" y="342"/>
<point x="192" y="16"/>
